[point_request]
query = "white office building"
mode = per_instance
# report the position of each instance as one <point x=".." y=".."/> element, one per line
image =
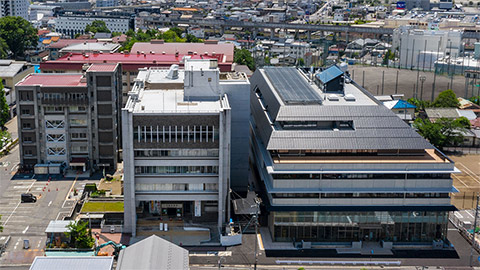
<point x="75" y="24"/>
<point x="421" y="48"/>
<point x="176" y="144"/>
<point x="14" y="8"/>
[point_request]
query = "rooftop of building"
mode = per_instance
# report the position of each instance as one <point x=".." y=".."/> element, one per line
<point x="51" y="79"/>
<point x="304" y="117"/>
<point x="10" y="68"/>
<point x="155" y="91"/>
<point x="103" y="67"/>
<point x="225" y="49"/>
<point x="130" y="61"/>
<point x="72" y="263"/>
<point x="62" y="43"/>
<point x="429" y="156"/>
<point x="91" y="46"/>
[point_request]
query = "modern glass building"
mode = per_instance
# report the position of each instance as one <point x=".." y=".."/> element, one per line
<point x="336" y="165"/>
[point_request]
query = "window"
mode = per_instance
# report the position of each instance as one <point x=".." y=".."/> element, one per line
<point x="78" y="122"/>
<point x="53" y="109"/>
<point x="79" y="148"/>
<point x="78" y="135"/>
<point x="26" y="125"/>
<point x="56" y="151"/>
<point x="55" y="137"/>
<point x="28" y="152"/>
<point x="54" y="124"/>
<point x="177" y="153"/>
<point x="26" y="112"/>
<point x="176" y="169"/>
<point x="27" y="139"/>
<point x="77" y="109"/>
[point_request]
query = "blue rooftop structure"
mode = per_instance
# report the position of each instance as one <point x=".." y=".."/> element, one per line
<point x="402" y="104"/>
<point x="329" y="74"/>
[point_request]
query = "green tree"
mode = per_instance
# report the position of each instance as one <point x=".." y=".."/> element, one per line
<point x="244" y="57"/>
<point x="300" y="62"/>
<point x="80" y="236"/>
<point x="4" y="108"/>
<point x="177" y="31"/>
<point x="18" y="34"/>
<point x="443" y="132"/>
<point x="3" y="49"/>
<point x="97" y="26"/>
<point x="475" y="99"/>
<point x="420" y="104"/>
<point x="193" y="39"/>
<point x="446" y="99"/>
<point x="130" y="33"/>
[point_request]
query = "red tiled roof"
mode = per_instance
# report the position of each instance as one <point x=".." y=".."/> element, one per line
<point x="475" y="123"/>
<point x="183" y="48"/>
<point x="70" y="80"/>
<point x="103" y="67"/>
<point x="130" y="62"/>
<point x="42" y="32"/>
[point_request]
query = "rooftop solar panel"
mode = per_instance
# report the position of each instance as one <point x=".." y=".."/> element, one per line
<point x="292" y="88"/>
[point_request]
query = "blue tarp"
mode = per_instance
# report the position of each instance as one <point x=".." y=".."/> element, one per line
<point x="402" y="104"/>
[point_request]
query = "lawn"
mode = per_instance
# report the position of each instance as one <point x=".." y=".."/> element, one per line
<point x="98" y="207"/>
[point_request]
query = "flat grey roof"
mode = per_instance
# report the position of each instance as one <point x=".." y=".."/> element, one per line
<point x="72" y="263"/>
<point x="9" y="68"/>
<point x="291" y="86"/>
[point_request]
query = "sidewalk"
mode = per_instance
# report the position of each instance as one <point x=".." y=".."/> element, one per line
<point x="12" y="127"/>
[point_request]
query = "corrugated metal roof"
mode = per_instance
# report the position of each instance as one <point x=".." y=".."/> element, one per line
<point x="345" y="143"/>
<point x="57" y="226"/>
<point x="153" y="253"/>
<point x="291" y="86"/>
<point x="329" y="74"/>
<point x="72" y="263"/>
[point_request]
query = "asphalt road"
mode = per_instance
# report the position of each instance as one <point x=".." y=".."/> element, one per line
<point x="243" y="255"/>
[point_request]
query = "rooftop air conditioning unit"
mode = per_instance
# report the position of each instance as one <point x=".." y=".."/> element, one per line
<point x="349" y="97"/>
<point x="333" y="97"/>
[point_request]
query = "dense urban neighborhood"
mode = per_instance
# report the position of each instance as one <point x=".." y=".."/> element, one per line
<point x="277" y="134"/>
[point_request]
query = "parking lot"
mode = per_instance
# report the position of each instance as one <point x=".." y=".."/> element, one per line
<point x="29" y="220"/>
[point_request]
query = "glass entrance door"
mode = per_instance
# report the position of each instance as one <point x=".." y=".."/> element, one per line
<point x="370" y="235"/>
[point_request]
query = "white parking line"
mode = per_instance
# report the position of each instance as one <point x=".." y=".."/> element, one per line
<point x="6" y="221"/>
<point x="50" y="203"/>
<point x="59" y="214"/>
<point x="26" y="229"/>
<point x="466" y="211"/>
<point x="14" y="167"/>
<point x="39" y="243"/>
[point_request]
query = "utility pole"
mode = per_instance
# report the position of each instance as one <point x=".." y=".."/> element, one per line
<point x="473" y="234"/>
<point x="257" y="209"/>
<point x="422" y="79"/>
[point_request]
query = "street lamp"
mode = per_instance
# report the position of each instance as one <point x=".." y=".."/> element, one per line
<point x="89" y="223"/>
<point x="422" y="80"/>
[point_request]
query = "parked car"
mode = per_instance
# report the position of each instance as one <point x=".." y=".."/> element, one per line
<point x="28" y="197"/>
